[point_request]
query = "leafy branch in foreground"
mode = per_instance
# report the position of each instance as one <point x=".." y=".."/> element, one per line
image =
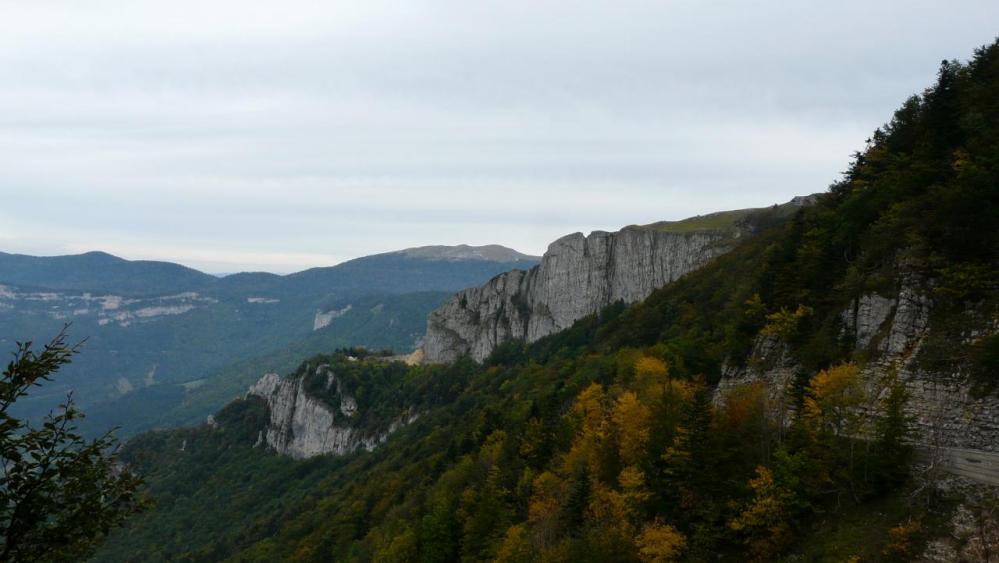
<point x="60" y="494"/>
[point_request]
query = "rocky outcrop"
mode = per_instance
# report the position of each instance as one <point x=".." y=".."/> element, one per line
<point x="323" y="319"/>
<point x="945" y="411"/>
<point x="865" y="318"/>
<point x="577" y="276"/>
<point x="771" y="362"/>
<point x="958" y="427"/>
<point x="303" y="426"/>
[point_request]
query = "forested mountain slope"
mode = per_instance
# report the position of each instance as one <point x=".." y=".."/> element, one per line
<point x="658" y="432"/>
<point x="100" y="272"/>
<point x="429" y="268"/>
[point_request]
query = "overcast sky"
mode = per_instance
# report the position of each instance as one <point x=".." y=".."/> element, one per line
<point x="241" y="135"/>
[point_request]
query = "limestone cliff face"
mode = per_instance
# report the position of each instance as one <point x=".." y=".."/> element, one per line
<point x="951" y="422"/>
<point x="577" y="276"/>
<point x="303" y="426"/>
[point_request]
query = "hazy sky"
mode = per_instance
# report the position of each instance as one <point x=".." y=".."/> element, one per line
<point x="241" y="135"/>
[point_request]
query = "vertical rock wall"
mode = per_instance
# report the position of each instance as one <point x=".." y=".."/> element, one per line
<point x="951" y="422"/>
<point x="303" y="426"/>
<point x="577" y="276"/>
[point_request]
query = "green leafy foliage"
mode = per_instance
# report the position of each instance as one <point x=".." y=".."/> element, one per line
<point x="60" y="494"/>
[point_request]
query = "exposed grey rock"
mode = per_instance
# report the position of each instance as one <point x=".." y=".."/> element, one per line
<point x="803" y="200"/>
<point x="960" y="426"/>
<point x="770" y="361"/>
<point x="323" y="319"/>
<point x="303" y="426"/>
<point x="577" y="276"/>
<point x="866" y="317"/>
<point x="105" y="309"/>
<point x="909" y="323"/>
<point x="973" y="530"/>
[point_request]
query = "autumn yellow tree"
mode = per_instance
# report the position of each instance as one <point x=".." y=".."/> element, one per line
<point x="587" y="454"/>
<point x="516" y="546"/>
<point x="660" y="543"/>
<point x="631" y="427"/>
<point x="634" y="491"/>
<point x="651" y="376"/>
<point x="744" y="405"/>
<point x="832" y="400"/>
<point x="609" y="510"/>
<point x="785" y="323"/>
<point x="590" y="411"/>
<point x="544" y="510"/>
<point x="764" y="521"/>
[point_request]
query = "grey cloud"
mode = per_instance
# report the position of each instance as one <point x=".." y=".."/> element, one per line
<point x="329" y="130"/>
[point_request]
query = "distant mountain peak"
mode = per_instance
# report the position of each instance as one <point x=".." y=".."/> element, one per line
<point x="489" y="252"/>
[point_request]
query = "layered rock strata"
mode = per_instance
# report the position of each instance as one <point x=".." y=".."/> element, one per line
<point x="952" y="424"/>
<point x="577" y="276"/>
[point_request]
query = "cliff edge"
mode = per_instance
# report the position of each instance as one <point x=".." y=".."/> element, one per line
<point x="580" y="275"/>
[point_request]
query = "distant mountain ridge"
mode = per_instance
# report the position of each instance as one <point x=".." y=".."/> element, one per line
<point x="157" y="330"/>
<point x="435" y="268"/>
<point x="99" y="271"/>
